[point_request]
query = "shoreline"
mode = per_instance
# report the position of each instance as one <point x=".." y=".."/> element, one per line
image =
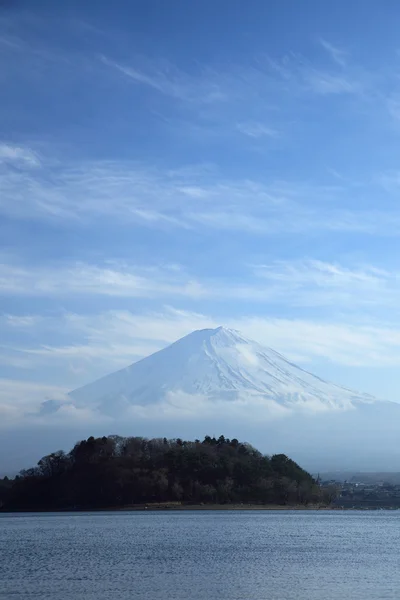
<point x="216" y="507"/>
<point x="180" y="507"/>
<point x="170" y="507"/>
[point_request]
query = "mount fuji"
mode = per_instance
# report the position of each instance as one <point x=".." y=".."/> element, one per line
<point x="220" y="365"/>
<point x="216" y="381"/>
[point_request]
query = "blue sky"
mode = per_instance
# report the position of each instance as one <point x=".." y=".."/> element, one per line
<point x="166" y="167"/>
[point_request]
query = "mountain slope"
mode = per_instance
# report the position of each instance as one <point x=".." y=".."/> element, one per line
<point x="219" y="364"/>
<point x="216" y="380"/>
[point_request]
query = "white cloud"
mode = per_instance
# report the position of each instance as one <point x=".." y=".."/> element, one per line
<point x="258" y="82"/>
<point x="98" y="343"/>
<point x="316" y="283"/>
<point x="390" y="180"/>
<point x="328" y="83"/>
<point x="392" y="103"/>
<point x="18" y="398"/>
<point x="338" y="55"/>
<point x="21" y="321"/>
<point x="301" y="283"/>
<point x="29" y="391"/>
<point x="14" y="358"/>
<point x="167" y="79"/>
<point x="342" y="343"/>
<point x="118" y="280"/>
<point x="180" y="406"/>
<point x="302" y="77"/>
<point x="197" y="198"/>
<point x="18" y="155"/>
<point x="11" y="42"/>
<point x="229" y="95"/>
<point x="281" y="85"/>
<point x="257" y="130"/>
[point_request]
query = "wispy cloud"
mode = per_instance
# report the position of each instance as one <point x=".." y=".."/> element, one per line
<point x="308" y="283"/>
<point x="91" y="345"/>
<point x="125" y="191"/>
<point x="338" y="55"/>
<point x="118" y="280"/>
<point x="344" y="328"/>
<point x="318" y="283"/>
<point x="327" y="83"/>
<point x="302" y="76"/>
<point x="20" y="321"/>
<point x="18" y="155"/>
<point x="18" y="397"/>
<point x="223" y="97"/>
<point x="390" y="181"/>
<point x="258" y="84"/>
<point x="20" y="402"/>
<point x="314" y="284"/>
<point x="342" y="342"/>
<point x="393" y="105"/>
<point x="11" y="42"/>
<point x="167" y="79"/>
<point x="257" y="130"/>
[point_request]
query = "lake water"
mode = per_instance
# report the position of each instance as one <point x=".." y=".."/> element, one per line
<point x="201" y="555"/>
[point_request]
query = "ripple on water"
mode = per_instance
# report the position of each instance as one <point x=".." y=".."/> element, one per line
<point x="200" y="555"/>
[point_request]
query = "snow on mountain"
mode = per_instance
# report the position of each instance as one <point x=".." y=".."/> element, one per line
<point x="216" y="381"/>
<point x="220" y="365"/>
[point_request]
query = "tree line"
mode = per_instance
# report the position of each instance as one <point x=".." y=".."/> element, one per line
<point x="114" y="471"/>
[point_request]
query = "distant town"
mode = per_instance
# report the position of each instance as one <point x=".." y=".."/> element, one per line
<point x="365" y="490"/>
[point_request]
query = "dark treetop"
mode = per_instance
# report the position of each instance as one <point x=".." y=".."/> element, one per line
<point x="112" y="472"/>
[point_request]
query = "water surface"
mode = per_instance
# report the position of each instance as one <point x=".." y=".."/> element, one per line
<point x="201" y="555"/>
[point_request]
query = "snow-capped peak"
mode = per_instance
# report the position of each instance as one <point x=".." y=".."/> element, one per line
<point x="217" y="364"/>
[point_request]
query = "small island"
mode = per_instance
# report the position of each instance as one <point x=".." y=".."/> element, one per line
<point x="117" y="473"/>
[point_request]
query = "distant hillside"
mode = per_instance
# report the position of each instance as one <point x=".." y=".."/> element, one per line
<point x="112" y="472"/>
